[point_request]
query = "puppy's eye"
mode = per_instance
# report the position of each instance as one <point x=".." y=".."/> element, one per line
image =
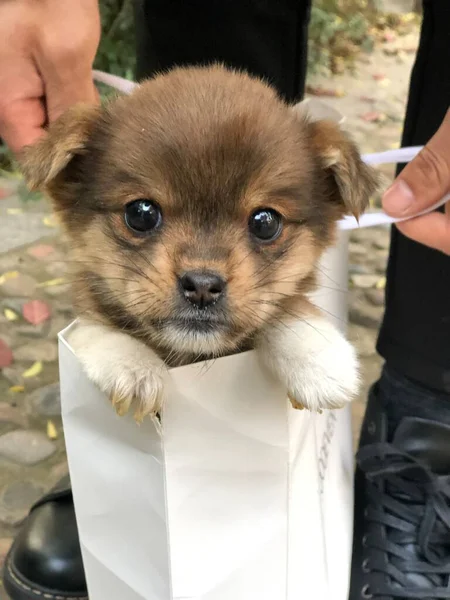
<point x="143" y="215"/>
<point x="265" y="224"/>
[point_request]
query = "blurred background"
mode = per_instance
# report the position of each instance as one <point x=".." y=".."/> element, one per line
<point x="360" y="58"/>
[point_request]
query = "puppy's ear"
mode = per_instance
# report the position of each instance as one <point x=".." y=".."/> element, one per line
<point x="352" y="181"/>
<point x="43" y="161"/>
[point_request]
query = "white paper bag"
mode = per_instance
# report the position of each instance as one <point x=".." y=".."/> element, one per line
<point x="242" y="498"/>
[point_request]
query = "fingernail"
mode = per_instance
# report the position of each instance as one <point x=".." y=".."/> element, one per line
<point x="398" y="198"/>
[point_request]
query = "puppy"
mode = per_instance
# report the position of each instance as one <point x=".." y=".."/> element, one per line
<point x="197" y="210"/>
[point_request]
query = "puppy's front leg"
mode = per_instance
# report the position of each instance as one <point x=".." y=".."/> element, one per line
<point x="311" y="358"/>
<point x="125" y="369"/>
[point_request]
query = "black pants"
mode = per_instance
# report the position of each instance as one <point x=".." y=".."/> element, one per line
<point x="415" y="335"/>
<point x="269" y="39"/>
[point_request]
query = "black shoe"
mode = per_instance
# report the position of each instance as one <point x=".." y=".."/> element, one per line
<point x="401" y="546"/>
<point x="45" y="562"/>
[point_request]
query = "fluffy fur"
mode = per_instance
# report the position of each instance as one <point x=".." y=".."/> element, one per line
<point x="210" y="146"/>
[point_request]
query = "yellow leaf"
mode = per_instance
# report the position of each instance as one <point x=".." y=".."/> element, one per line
<point x="408" y="17"/>
<point x="16" y="389"/>
<point x="49" y="221"/>
<point x="384" y="82"/>
<point x="381" y="284"/>
<point x="10" y="174"/>
<point x="8" y="275"/>
<point x="14" y="211"/>
<point x="10" y="314"/>
<point x="52" y="282"/>
<point x="34" y="370"/>
<point x="52" y="433"/>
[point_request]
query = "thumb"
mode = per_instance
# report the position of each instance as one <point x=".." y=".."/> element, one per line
<point x="425" y="180"/>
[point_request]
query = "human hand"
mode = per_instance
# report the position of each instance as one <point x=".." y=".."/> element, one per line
<point x="422" y="183"/>
<point x="47" y="49"/>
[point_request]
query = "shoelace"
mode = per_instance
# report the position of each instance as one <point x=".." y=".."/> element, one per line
<point x="413" y="505"/>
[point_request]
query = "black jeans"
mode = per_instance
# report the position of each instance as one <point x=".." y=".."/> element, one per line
<point x="269" y="38"/>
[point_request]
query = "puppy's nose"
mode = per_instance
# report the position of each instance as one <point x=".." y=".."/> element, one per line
<point x="202" y="288"/>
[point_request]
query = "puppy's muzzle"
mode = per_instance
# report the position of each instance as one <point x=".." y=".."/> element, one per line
<point x="202" y="289"/>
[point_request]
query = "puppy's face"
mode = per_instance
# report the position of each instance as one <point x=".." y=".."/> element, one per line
<point x="197" y="207"/>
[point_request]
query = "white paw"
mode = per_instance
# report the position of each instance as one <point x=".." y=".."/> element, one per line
<point x="142" y="389"/>
<point x="315" y="362"/>
<point x="126" y="370"/>
<point x="326" y="380"/>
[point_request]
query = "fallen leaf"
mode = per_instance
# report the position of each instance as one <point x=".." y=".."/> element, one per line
<point x="363" y="281"/>
<point x="367" y="99"/>
<point x="33" y="371"/>
<point x="385" y="82"/>
<point x="52" y="282"/>
<point x="41" y="251"/>
<point x="389" y="35"/>
<point x="52" y="433"/>
<point x="14" y="211"/>
<point x="17" y="389"/>
<point x="36" y="312"/>
<point x="327" y="92"/>
<point x="379" y="76"/>
<point x="6" y="355"/>
<point x="49" y="221"/>
<point x="4" y="193"/>
<point x="8" y="275"/>
<point x="373" y="117"/>
<point x="381" y="284"/>
<point x="10" y="314"/>
<point x="408" y="17"/>
<point x="11" y="174"/>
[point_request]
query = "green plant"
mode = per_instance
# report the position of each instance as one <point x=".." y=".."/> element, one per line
<point x="117" y="53"/>
<point x="5" y="159"/>
<point x="339" y="30"/>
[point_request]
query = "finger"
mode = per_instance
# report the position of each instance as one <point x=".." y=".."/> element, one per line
<point x="432" y="230"/>
<point x="62" y="98"/>
<point x="23" y="123"/>
<point x="425" y="180"/>
<point x="67" y="91"/>
<point x="17" y="137"/>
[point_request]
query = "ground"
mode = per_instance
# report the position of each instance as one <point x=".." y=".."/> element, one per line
<point x="35" y="303"/>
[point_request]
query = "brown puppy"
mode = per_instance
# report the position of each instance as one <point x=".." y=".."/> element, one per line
<point x="197" y="210"/>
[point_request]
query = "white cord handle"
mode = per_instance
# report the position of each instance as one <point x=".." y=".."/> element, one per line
<point x="116" y="82"/>
<point x="402" y="155"/>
